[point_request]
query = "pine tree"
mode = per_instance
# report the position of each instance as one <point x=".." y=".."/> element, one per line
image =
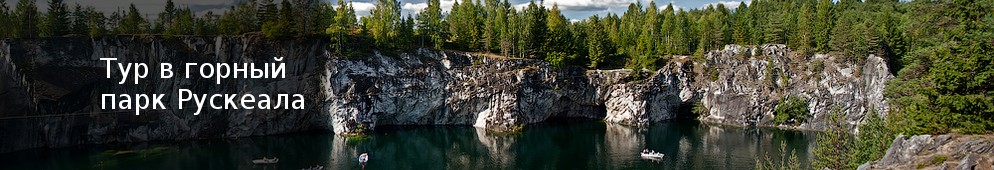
<point x="804" y="35"/>
<point x="131" y="23"/>
<point x="833" y="146"/>
<point x="268" y="12"/>
<point x="96" y="22"/>
<point x="598" y="46"/>
<point x="26" y="19"/>
<point x="824" y="21"/>
<point x="668" y="29"/>
<point x="183" y="23"/>
<point x="165" y="17"/>
<point x="79" y="21"/>
<point x="6" y="30"/>
<point x="533" y="35"/>
<point x="343" y="26"/>
<point x="430" y="24"/>
<point x="559" y="36"/>
<point x="742" y="26"/>
<point x="646" y="45"/>
<point x="873" y="139"/>
<point x="385" y="21"/>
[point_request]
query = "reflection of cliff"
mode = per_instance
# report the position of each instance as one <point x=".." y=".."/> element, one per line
<point x="727" y="145"/>
<point x="623" y="143"/>
<point x="498" y="147"/>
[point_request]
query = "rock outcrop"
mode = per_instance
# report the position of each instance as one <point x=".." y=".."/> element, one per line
<point x="951" y="151"/>
<point x="498" y="94"/>
<point x="51" y="89"/>
<point x="742" y="86"/>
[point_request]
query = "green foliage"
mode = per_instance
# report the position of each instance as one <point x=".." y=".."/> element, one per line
<point x="598" y="46"/>
<point x="945" y="83"/>
<point x="430" y="25"/>
<point x="817" y="66"/>
<point x="699" y="109"/>
<point x="385" y="22"/>
<point x="834" y="146"/>
<point x="873" y="139"/>
<point x="791" y="110"/>
<point x="6" y="30"/>
<point x="132" y="22"/>
<point x="556" y="59"/>
<point x="786" y="162"/>
<point x="56" y="21"/>
<point x="25" y="18"/>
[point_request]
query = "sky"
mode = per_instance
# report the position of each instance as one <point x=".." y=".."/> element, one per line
<point x="573" y="9"/>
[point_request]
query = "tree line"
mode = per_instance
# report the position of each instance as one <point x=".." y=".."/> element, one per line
<point x="940" y="50"/>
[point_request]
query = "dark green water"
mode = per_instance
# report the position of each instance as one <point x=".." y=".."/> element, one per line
<point x="563" y="144"/>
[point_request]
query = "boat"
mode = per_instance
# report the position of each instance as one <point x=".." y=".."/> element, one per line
<point x="265" y="160"/>
<point x="650" y="154"/>
<point x="363" y="158"/>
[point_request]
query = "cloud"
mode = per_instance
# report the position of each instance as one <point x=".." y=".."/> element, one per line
<point x="727" y="4"/>
<point x="413" y="8"/>
<point x="588" y="5"/>
<point x="363" y="8"/>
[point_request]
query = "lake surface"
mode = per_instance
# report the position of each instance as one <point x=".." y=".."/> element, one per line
<point x="560" y="144"/>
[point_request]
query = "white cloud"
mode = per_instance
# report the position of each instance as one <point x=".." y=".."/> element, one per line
<point x="588" y="5"/>
<point x="728" y="4"/>
<point x="363" y="8"/>
<point x="414" y="6"/>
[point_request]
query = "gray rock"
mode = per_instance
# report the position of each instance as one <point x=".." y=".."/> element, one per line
<point x="959" y="152"/>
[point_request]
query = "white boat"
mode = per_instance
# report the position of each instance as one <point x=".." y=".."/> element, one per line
<point x="363" y="158"/>
<point x="649" y="154"/>
<point x="265" y="160"/>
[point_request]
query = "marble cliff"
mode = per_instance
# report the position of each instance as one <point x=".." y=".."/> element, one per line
<point x="51" y="89"/>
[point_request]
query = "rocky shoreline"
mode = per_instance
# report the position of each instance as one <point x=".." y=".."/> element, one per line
<point x="737" y="85"/>
<point x="948" y="151"/>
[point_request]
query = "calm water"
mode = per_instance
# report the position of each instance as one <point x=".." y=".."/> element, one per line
<point x="563" y="144"/>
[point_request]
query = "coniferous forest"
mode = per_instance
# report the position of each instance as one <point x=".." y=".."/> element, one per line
<point x="941" y="51"/>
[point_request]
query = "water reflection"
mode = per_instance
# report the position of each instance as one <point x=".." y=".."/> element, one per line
<point x="570" y="144"/>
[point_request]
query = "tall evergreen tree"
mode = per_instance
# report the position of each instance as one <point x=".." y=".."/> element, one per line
<point x="803" y="36"/>
<point x="96" y="22"/>
<point x="183" y="23"/>
<point x="824" y="21"/>
<point x="6" y="30"/>
<point x="646" y="44"/>
<point x="132" y="22"/>
<point x="833" y="147"/>
<point x="79" y="21"/>
<point x="165" y="17"/>
<point x="598" y="45"/>
<point x="430" y="24"/>
<point x="533" y="35"/>
<point x="26" y="19"/>
<point x="385" y="21"/>
<point x="268" y="11"/>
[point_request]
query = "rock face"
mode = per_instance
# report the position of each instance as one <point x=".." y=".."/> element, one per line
<point x="938" y="152"/>
<point x="743" y="85"/>
<point x="52" y="90"/>
<point x="432" y="88"/>
<point x="52" y="87"/>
